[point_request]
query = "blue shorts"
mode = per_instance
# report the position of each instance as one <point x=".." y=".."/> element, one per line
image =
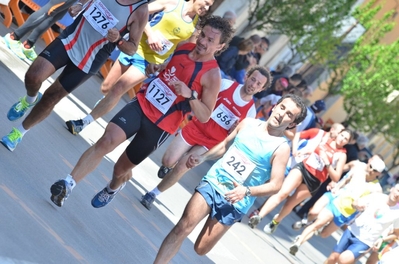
<point x="339" y="219"/>
<point x="349" y="242"/>
<point x="221" y="209"/>
<point x="135" y="60"/>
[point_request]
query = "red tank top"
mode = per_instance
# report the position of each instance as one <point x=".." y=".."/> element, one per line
<point x="182" y="68"/>
<point x="225" y="114"/>
<point x="315" y="165"/>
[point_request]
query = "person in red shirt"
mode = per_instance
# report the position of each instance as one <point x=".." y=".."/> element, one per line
<point x="233" y="105"/>
<point x="327" y="160"/>
<point x="189" y="82"/>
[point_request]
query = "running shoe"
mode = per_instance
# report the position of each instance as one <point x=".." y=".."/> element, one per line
<point x="75" y="126"/>
<point x="147" y="200"/>
<point x="60" y="190"/>
<point x="20" y="108"/>
<point x="15" y="46"/>
<point x="163" y="170"/>
<point x="254" y="219"/>
<point x="255" y="212"/>
<point x="103" y="198"/>
<point x="12" y="139"/>
<point x="318" y="231"/>
<point x="30" y="54"/>
<point x="270" y="228"/>
<point x="295" y="246"/>
<point x="300" y="224"/>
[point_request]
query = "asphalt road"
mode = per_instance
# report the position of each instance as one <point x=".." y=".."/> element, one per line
<point x="34" y="230"/>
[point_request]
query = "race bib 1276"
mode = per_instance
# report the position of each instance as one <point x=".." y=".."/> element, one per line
<point x="100" y="18"/>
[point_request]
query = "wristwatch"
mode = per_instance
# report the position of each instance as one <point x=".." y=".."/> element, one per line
<point x="194" y="95"/>
<point x="248" y="192"/>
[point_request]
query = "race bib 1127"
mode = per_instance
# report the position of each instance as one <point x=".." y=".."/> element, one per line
<point x="160" y="95"/>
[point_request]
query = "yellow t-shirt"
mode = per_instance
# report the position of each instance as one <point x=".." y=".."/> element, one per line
<point x="344" y="201"/>
<point x="172" y="28"/>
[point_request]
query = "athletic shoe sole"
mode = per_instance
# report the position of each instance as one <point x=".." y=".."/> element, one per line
<point x="58" y="192"/>
<point x="254" y="221"/>
<point x="294" y="249"/>
<point x="71" y="127"/>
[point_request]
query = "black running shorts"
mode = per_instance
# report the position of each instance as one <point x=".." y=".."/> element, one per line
<point x="148" y="136"/>
<point x="308" y="179"/>
<point x="71" y="76"/>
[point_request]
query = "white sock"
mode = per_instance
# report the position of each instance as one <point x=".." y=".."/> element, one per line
<point x="22" y="129"/>
<point x="30" y="99"/>
<point x="156" y="191"/>
<point x="69" y="179"/>
<point x="109" y="190"/>
<point x="88" y="119"/>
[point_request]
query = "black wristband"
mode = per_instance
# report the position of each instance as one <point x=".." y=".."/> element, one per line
<point x="119" y="41"/>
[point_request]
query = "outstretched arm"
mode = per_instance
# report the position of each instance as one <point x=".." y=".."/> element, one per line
<point x="217" y="150"/>
<point x="279" y="164"/>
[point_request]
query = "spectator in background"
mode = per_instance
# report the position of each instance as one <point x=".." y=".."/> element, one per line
<point x="302" y="85"/>
<point x="352" y="150"/>
<point x="306" y="94"/>
<point x="253" y="59"/>
<point x="230" y="16"/>
<point x="266" y="104"/>
<point x="310" y="120"/>
<point x="363" y="152"/>
<point x="261" y="49"/>
<point x="277" y="87"/>
<point x="279" y="70"/>
<point x="244" y="61"/>
<point x="295" y="79"/>
<point x="227" y="59"/>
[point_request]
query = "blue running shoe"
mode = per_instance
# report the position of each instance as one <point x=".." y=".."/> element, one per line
<point x="20" y="108"/>
<point x="12" y="139"/>
<point x="103" y="198"/>
<point x="147" y="200"/>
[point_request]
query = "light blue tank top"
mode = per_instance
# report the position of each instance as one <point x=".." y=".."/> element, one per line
<point x="258" y="147"/>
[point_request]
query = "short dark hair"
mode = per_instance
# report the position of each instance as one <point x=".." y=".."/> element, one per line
<point x="265" y="40"/>
<point x="302" y="85"/>
<point x="255" y="39"/>
<point x="245" y="45"/>
<point x="355" y="135"/>
<point x="265" y="72"/>
<point x="296" y="77"/>
<point x="221" y="24"/>
<point x="293" y="90"/>
<point x="300" y="103"/>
